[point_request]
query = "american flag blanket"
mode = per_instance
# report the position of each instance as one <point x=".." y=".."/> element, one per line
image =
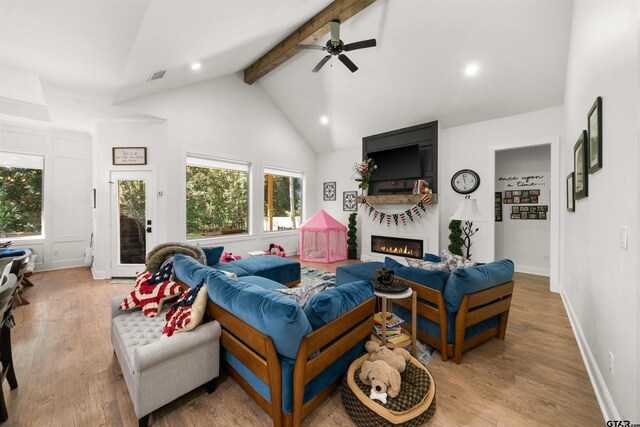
<point x="149" y="297"/>
<point x="186" y="313"/>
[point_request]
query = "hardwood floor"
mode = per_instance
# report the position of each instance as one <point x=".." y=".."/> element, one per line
<point x="68" y="375"/>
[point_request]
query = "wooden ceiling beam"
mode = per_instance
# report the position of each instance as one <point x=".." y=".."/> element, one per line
<point x="308" y="33"/>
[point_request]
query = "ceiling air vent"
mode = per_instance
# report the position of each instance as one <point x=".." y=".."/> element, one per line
<point x="156" y="75"/>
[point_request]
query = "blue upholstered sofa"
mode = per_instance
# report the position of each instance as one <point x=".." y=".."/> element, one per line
<point x="279" y="270"/>
<point x="285" y="357"/>
<point x="455" y="313"/>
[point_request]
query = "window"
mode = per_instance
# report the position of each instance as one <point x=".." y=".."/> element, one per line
<point x="282" y="199"/>
<point x="21" y="179"/>
<point x="217" y="197"/>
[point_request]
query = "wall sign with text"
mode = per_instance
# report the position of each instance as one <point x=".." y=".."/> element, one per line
<point x="129" y="155"/>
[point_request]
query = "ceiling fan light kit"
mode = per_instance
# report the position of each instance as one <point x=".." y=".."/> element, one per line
<point x="335" y="47"/>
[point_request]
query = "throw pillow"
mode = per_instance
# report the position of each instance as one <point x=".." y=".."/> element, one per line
<point x="301" y="294"/>
<point x="186" y="313"/>
<point x="456" y="261"/>
<point x="149" y="297"/>
<point x="428" y="265"/>
<point x="213" y="254"/>
<point x="164" y="273"/>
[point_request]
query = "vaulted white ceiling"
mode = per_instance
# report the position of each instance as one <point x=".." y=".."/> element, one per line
<point x="108" y="49"/>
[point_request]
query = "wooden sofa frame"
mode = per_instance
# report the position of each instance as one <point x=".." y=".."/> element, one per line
<point x="475" y="308"/>
<point x="256" y="351"/>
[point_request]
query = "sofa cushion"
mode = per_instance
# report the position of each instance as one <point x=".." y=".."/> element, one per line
<point x="213" y="254"/>
<point x="269" y="312"/>
<point x="263" y="282"/>
<point x="282" y="270"/>
<point x="431" y="257"/>
<point x="464" y="281"/>
<point x="231" y="267"/>
<point x="334" y="302"/>
<point x="432" y="279"/>
<point x="354" y="272"/>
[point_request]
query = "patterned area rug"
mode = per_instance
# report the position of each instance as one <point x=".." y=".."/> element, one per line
<point x="309" y="275"/>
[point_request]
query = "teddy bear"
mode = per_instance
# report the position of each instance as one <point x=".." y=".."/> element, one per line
<point x="396" y="358"/>
<point x="383" y="379"/>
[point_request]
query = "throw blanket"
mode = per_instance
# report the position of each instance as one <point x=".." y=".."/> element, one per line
<point x="303" y="293"/>
<point x="160" y="253"/>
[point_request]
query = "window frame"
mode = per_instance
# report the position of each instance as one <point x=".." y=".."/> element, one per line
<point x="282" y="171"/>
<point x="243" y="166"/>
<point x="42" y="235"/>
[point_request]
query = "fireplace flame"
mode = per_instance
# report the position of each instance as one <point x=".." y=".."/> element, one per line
<point x="396" y="250"/>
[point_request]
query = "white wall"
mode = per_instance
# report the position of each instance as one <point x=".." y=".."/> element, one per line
<point x="469" y="147"/>
<point x="67" y="190"/>
<point x="599" y="279"/>
<point x="224" y="118"/>
<point x="525" y="242"/>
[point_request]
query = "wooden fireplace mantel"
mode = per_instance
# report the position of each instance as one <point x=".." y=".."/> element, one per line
<point x="398" y="199"/>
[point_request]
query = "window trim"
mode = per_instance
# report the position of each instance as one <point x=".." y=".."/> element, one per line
<point x="291" y="173"/>
<point x="37" y="237"/>
<point x="241" y="166"/>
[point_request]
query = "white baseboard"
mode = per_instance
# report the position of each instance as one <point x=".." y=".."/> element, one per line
<point x="607" y="405"/>
<point x="532" y="270"/>
<point x="98" y="275"/>
<point x="59" y="265"/>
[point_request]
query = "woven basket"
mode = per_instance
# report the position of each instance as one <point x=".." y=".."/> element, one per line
<point x="369" y="413"/>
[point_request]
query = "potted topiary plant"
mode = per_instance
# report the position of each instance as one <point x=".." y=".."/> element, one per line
<point x="455" y="238"/>
<point x="352" y="241"/>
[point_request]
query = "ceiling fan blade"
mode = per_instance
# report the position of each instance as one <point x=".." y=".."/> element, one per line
<point x="360" y="45"/>
<point x="321" y="63"/>
<point x="346" y="61"/>
<point x="335" y="31"/>
<point x="310" y="46"/>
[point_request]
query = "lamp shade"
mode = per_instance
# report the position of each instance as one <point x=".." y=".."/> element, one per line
<point x="468" y="211"/>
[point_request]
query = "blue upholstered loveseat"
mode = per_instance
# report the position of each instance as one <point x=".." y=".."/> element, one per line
<point x="285" y="357"/>
<point x="455" y="312"/>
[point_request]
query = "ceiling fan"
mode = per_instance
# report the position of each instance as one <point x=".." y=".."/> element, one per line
<point x="335" y="46"/>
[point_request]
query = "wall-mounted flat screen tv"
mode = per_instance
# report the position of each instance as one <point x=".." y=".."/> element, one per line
<point x="397" y="163"/>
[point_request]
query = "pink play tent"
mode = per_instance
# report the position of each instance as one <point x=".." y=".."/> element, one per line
<point x="322" y="239"/>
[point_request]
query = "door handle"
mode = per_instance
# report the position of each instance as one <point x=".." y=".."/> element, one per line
<point x="148" y="229"/>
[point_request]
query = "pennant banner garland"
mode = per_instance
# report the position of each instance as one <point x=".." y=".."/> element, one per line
<point x="402" y="216"/>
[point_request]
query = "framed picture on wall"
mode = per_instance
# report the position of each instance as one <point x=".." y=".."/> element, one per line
<point x="129" y="155"/>
<point x="570" y="194"/>
<point x="498" y="203"/>
<point x="594" y="123"/>
<point x="580" y="166"/>
<point x="329" y="191"/>
<point x="349" y="201"/>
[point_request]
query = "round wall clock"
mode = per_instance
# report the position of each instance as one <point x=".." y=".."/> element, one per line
<point x="465" y="181"/>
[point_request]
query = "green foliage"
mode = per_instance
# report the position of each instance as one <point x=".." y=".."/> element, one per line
<point x="132" y="199"/>
<point x="20" y="201"/>
<point x="282" y="192"/>
<point x="455" y="238"/>
<point x="216" y="197"/>
<point x="352" y="241"/>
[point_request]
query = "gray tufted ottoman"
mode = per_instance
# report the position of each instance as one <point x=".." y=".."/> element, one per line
<point x="159" y="371"/>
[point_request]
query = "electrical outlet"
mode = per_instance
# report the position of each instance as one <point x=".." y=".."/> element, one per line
<point x="611" y="363"/>
<point x="546" y="257"/>
<point x="55" y="252"/>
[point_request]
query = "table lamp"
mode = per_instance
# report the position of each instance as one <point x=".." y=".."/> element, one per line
<point x="468" y="212"/>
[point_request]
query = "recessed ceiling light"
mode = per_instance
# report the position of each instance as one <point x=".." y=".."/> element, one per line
<point x="471" y="69"/>
<point x="196" y="66"/>
<point x="324" y="120"/>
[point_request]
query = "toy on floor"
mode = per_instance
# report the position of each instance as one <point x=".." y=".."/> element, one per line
<point x="276" y="250"/>
<point x="383" y="379"/>
<point x="396" y="358"/>
<point x="228" y="257"/>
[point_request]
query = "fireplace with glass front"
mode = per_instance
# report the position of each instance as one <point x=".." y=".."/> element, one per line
<point x="399" y="246"/>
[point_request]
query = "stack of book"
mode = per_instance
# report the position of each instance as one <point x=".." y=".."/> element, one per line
<point x="394" y="328"/>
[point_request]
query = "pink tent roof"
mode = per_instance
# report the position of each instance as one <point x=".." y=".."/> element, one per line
<point x="322" y="221"/>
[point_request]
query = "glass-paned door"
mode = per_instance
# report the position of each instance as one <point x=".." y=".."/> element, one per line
<point x="132" y="221"/>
